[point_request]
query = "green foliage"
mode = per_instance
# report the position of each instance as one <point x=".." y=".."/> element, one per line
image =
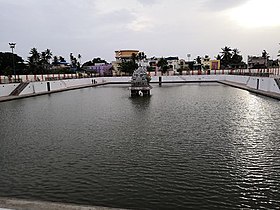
<point x="8" y="71"/>
<point x="74" y="61"/>
<point x="236" y="58"/>
<point x="150" y="68"/>
<point x="61" y="59"/>
<point x="94" y="61"/>
<point x="140" y="56"/>
<point x="265" y="54"/>
<point x="6" y="64"/>
<point x="226" y="56"/>
<point x="163" y="65"/>
<point x="198" y="60"/>
<point x="128" y="67"/>
<point x="39" y="63"/>
<point x="164" y="69"/>
<point x="230" y="57"/>
<point x="55" y="60"/>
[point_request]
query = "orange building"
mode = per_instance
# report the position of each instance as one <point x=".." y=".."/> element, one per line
<point x="215" y="64"/>
<point x="123" y="55"/>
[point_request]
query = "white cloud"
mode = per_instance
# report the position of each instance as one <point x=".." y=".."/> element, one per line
<point x="111" y="6"/>
<point x="158" y="27"/>
<point x="257" y="14"/>
<point x="141" y="24"/>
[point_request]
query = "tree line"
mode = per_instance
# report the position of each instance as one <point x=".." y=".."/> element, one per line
<point x="38" y="63"/>
<point x="44" y="62"/>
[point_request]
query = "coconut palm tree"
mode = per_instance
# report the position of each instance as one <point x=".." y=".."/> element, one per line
<point x="218" y="57"/>
<point x="198" y="60"/>
<point x="34" y="60"/>
<point x="163" y="65"/>
<point x="236" y="58"/>
<point x="80" y="58"/>
<point x="264" y="54"/>
<point x="133" y="57"/>
<point x="48" y="55"/>
<point x="226" y="56"/>
<point x="35" y="55"/>
<point x="61" y="59"/>
<point x="55" y="60"/>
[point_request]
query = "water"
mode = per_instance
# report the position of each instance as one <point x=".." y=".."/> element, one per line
<point x="199" y="146"/>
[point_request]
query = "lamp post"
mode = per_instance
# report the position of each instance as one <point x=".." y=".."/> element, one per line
<point x="188" y="56"/>
<point x="12" y="46"/>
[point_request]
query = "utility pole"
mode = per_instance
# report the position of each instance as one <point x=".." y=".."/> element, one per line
<point x="188" y="56"/>
<point x="12" y="46"/>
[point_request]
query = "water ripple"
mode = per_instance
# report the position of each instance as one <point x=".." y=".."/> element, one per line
<point x="187" y="147"/>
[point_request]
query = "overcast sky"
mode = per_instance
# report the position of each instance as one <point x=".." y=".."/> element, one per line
<point x="96" y="28"/>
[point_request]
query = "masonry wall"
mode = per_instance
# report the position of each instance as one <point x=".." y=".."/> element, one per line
<point x="6" y="89"/>
<point x="265" y="83"/>
<point x="261" y="83"/>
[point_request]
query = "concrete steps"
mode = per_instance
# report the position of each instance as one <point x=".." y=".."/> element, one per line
<point x="19" y="89"/>
<point x="277" y="80"/>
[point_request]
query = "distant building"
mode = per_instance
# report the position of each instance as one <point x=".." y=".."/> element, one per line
<point x="206" y="63"/>
<point x="257" y="62"/>
<point x="241" y="65"/>
<point x="183" y="65"/>
<point x="173" y="63"/>
<point x="190" y="65"/>
<point x="61" y="65"/>
<point x="273" y="63"/>
<point x="215" y="64"/>
<point x="125" y="55"/>
<point x="152" y="64"/>
<point x="102" y="69"/>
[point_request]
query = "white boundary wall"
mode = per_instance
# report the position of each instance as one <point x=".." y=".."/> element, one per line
<point x="265" y="83"/>
<point x="6" y="89"/>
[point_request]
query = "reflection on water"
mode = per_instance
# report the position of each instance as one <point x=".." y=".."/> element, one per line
<point x="203" y="146"/>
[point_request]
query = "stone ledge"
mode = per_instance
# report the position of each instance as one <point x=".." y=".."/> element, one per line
<point x="18" y="204"/>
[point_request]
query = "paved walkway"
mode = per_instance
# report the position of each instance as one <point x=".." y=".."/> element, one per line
<point x="18" y="204"/>
<point x="233" y="84"/>
<point x="244" y="87"/>
<point x="10" y="98"/>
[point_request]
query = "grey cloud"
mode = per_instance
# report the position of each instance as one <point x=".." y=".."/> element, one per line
<point x="122" y="16"/>
<point x="80" y="27"/>
<point x="147" y="2"/>
<point x="218" y="5"/>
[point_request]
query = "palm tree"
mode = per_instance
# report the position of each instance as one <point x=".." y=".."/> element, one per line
<point x="73" y="61"/>
<point x="80" y="58"/>
<point x="218" y="57"/>
<point x="236" y="58"/>
<point x="198" y="60"/>
<point x="55" y="60"/>
<point x="133" y="57"/>
<point x="265" y="54"/>
<point x="61" y="59"/>
<point x="226" y="52"/>
<point x="163" y="65"/>
<point x="34" y="60"/>
<point x="43" y="62"/>
<point x="48" y="55"/>
<point x="141" y="56"/>
<point x="35" y="55"/>
<point x="226" y="56"/>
